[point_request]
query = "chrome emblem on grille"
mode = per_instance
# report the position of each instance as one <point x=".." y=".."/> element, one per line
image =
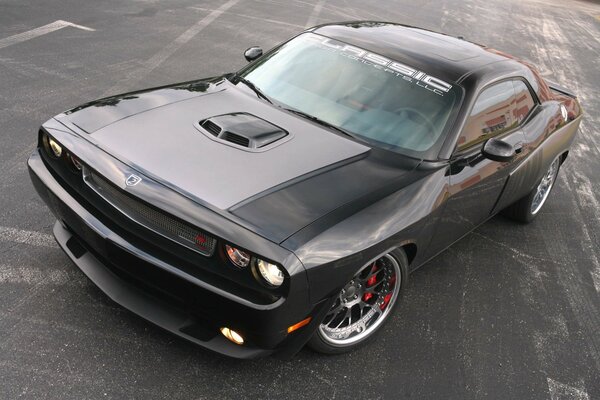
<point x="132" y="180"/>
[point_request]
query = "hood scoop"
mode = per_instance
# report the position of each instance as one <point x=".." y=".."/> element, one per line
<point x="243" y="130"/>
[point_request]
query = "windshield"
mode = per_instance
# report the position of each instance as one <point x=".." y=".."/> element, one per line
<point x="384" y="102"/>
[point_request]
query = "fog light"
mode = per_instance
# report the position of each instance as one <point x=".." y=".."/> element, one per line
<point x="238" y="257"/>
<point x="232" y="335"/>
<point x="55" y="147"/>
<point x="271" y="273"/>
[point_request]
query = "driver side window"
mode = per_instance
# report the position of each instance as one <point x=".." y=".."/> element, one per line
<point x="492" y="115"/>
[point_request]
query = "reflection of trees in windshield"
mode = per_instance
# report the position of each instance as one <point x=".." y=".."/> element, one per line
<point x="346" y="87"/>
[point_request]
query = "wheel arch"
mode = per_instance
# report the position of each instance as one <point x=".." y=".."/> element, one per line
<point x="563" y="156"/>
<point x="410" y="249"/>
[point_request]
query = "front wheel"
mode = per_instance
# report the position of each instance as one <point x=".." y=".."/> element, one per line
<point x="526" y="209"/>
<point x="363" y="305"/>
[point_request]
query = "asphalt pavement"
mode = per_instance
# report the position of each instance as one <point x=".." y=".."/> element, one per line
<point x="510" y="312"/>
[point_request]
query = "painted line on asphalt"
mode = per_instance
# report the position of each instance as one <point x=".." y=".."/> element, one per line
<point x="49" y="324"/>
<point x="559" y="391"/>
<point x="42" y="30"/>
<point x="33" y="276"/>
<point x="314" y="16"/>
<point x="272" y="21"/>
<point x="28" y="237"/>
<point x="149" y="65"/>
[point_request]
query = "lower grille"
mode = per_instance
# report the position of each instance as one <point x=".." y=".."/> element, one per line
<point x="151" y="218"/>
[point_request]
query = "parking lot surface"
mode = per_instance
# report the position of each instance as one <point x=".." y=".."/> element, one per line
<point x="510" y="312"/>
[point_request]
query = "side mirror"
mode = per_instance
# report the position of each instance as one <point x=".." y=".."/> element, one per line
<point x="498" y="150"/>
<point x="253" y="53"/>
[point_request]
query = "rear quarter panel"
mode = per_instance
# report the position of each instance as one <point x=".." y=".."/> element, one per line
<point x="547" y="136"/>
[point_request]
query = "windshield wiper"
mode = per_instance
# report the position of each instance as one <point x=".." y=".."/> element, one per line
<point x="319" y="121"/>
<point x="252" y="86"/>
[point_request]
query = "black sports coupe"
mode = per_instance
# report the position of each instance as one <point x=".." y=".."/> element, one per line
<point x="285" y="204"/>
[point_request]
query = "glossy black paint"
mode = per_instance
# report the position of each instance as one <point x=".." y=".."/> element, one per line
<point x="498" y="150"/>
<point x="320" y="204"/>
<point x="253" y="53"/>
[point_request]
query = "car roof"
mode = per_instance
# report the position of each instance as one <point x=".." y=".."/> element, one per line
<point x="443" y="56"/>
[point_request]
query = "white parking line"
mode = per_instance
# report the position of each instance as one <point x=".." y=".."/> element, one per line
<point x="29" y="237"/>
<point x="42" y="30"/>
<point x="132" y="79"/>
<point x="315" y="14"/>
<point x="33" y="276"/>
<point x="560" y="391"/>
<point x="272" y="21"/>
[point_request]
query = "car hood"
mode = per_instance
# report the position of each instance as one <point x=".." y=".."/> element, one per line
<point x="277" y="189"/>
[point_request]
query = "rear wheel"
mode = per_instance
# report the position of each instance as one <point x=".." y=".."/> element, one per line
<point x="363" y="305"/>
<point x="526" y="209"/>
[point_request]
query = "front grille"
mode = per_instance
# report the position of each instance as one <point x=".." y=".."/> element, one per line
<point x="150" y="217"/>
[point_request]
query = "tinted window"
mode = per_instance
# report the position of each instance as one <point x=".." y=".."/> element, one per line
<point x="384" y="102"/>
<point x="493" y="114"/>
<point x="524" y="103"/>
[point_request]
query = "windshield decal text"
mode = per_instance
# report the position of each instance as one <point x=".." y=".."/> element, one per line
<point x="410" y="74"/>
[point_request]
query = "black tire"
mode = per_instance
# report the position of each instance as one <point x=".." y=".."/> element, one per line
<point x="523" y="210"/>
<point x="322" y="344"/>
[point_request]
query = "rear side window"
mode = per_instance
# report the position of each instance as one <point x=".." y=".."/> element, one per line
<point x="524" y="102"/>
<point x="492" y="115"/>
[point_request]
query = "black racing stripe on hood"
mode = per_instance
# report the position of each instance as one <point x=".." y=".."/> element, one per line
<point x="280" y="214"/>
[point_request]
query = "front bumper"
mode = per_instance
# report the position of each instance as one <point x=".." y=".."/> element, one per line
<point x="143" y="304"/>
<point x="163" y="294"/>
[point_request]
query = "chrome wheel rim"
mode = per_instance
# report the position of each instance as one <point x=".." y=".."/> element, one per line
<point x="363" y="304"/>
<point x="544" y="187"/>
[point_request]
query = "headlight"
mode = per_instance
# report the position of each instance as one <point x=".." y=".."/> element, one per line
<point x="238" y="257"/>
<point x="271" y="273"/>
<point x="55" y="147"/>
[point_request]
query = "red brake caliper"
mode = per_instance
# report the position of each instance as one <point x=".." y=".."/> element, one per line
<point x="370" y="282"/>
<point x="388" y="296"/>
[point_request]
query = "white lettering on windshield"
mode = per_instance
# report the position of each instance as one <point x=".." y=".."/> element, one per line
<point x="410" y="74"/>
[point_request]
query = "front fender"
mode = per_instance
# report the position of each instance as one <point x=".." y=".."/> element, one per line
<point x="409" y="215"/>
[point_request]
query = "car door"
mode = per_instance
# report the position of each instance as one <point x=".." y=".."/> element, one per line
<point x="476" y="182"/>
